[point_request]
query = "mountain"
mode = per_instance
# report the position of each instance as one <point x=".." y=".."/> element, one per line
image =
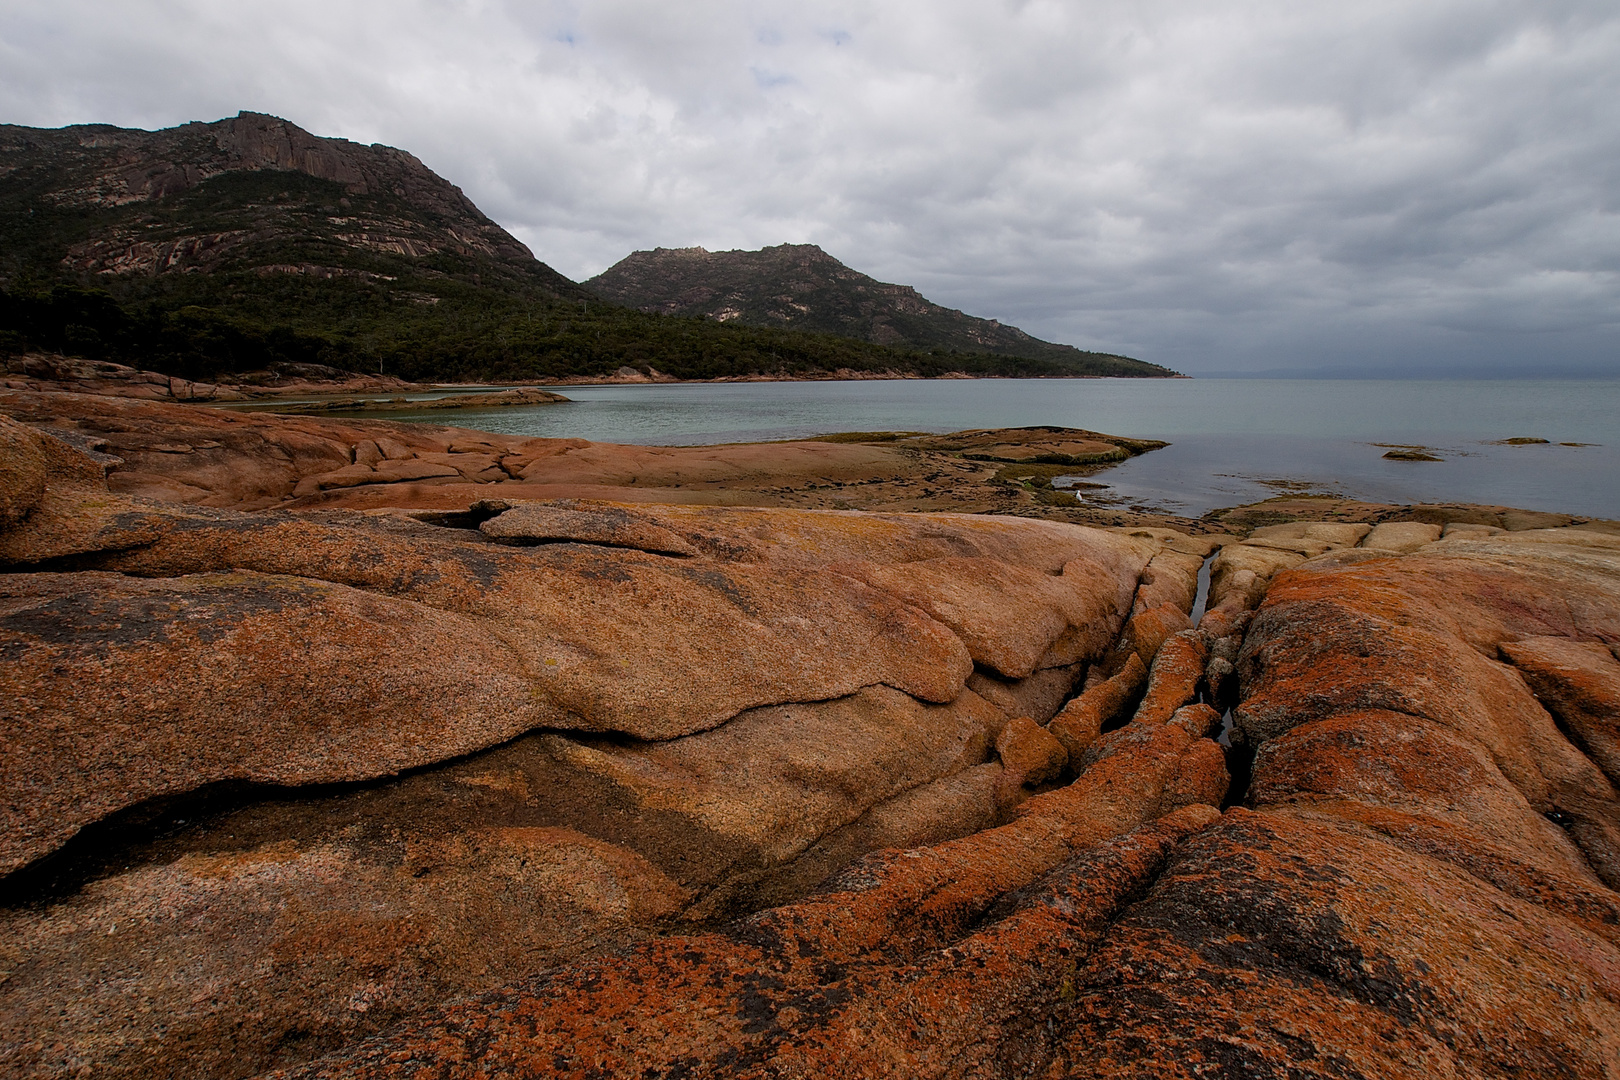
<point x="218" y="196"/>
<point x="801" y="287"/>
<point x="249" y="244"/>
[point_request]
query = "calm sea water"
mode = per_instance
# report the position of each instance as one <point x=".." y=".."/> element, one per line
<point x="1232" y="440"/>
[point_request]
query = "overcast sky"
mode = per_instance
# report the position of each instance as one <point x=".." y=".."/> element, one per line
<point x="1417" y="184"/>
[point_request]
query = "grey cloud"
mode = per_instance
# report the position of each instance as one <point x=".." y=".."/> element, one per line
<point x="1248" y="184"/>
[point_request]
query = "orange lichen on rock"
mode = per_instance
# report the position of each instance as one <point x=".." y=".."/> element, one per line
<point x="848" y="983"/>
<point x="339" y="767"/>
<point x="1579" y="682"/>
<point x="484" y="788"/>
<point x="1173" y="681"/>
<point x="1419" y="636"/>
<point x="1082" y="719"/>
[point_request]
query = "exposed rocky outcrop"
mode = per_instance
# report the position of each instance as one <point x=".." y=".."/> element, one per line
<point x="1396" y="896"/>
<point x="38" y="373"/>
<point x="255" y="460"/>
<point x="97" y="166"/>
<point x="1421" y="636"/>
<point x="276" y="781"/>
<point x="883" y="975"/>
<point x="573" y="787"/>
<point x="494" y="399"/>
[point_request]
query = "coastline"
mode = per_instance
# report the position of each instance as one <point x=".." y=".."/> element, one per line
<point x="314" y="384"/>
<point x="512" y="722"/>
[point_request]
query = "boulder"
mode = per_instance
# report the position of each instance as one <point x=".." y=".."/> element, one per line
<point x="1173" y="680"/>
<point x="1082" y="720"/>
<point x="1150" y="629"/>
<point x="1030" y="755"/>
<point x="1199" y="720"/>
<point x="1038" y="697"/>
<point x="1241" y="572"/>
<point x="1338" y="533"/>
<point x="367" y="452"/>
<point x="1462" y="530"/>
<point x="612" y="526"/>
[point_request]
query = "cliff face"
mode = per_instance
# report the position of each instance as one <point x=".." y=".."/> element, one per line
<point x="801" y="287"/>
<point x="198" y="197"/>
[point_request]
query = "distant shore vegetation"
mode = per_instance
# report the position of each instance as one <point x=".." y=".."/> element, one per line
<point x="266" y="267"/>
<point x="246" y="322"/>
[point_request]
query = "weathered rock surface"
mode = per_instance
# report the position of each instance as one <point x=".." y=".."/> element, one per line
<point x="118" y="690"/>
<point x="881" y="976"/>
<point x="1030" y="755"/>
<point x="1396" y="899"/>
<point x="1579" y="683"/>
<point x="484" y="790"/>
<point x="1401" y="536"/>
<point x="1084" y="718"/>
<point x="586" y="637"/>
<point x="22" y="471"/>
<point x="274" y="782"/>
<point x="245" y="460"/>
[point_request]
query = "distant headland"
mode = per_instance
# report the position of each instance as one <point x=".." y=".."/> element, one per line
<point x="244" y="245"/>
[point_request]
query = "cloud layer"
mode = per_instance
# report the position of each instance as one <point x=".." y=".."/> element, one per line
<point x="1244" y="185"/>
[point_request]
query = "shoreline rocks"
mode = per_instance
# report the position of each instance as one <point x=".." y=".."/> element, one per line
<point x="252" y="460"/>
<point x="341" y="767"/>
<point x="541" y="787"/>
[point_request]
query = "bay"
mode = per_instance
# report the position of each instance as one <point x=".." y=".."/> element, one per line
<point x="1232" y="440"/>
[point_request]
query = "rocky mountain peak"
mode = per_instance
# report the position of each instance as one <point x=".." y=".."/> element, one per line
<point x="802" y="287"/>
<point x="169" y="222"/>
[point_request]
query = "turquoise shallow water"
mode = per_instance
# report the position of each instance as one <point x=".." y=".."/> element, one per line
<point x="1233" y="440"/>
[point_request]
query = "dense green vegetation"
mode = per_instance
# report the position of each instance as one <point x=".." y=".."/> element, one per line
<point x="481" y="337"/>
<point x="250" y="269"/>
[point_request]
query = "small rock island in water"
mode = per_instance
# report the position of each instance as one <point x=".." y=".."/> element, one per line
<point x="354" y="748"/>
